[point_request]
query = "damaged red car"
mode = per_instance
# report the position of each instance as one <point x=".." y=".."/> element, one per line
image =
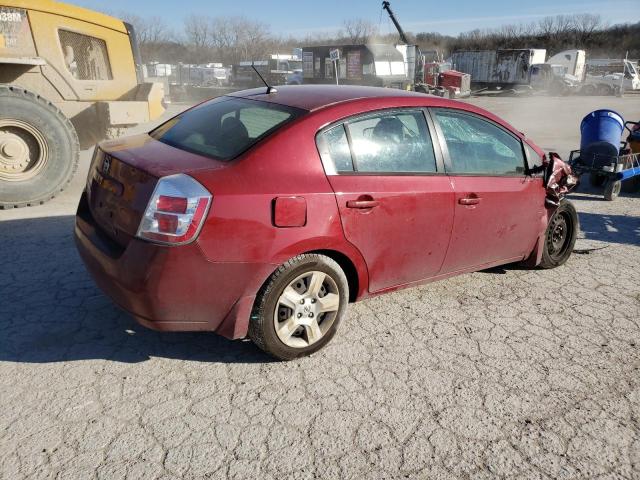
<point x="266" y="213"/>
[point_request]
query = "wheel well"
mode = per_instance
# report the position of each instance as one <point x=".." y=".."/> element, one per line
<point x="347" y="266"/>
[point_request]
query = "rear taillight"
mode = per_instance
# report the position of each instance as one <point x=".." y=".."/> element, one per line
<point x="176" y="212"/>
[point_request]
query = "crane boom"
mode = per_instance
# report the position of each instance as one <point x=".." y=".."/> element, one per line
<point x="387" y="6"/>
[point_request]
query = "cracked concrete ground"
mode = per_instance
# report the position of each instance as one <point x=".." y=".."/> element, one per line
<point x="506" y="373"/>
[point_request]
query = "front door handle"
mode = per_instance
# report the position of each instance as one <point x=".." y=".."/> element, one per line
<point x="362" y="203"/>
<point x="469" y="201"/>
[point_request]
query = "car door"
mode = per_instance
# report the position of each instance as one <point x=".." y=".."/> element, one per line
<point x="498" y="207"/>
<point x="395" y="202"/>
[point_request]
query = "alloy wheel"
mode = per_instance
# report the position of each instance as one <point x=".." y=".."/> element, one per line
<point x="306" y="309"/>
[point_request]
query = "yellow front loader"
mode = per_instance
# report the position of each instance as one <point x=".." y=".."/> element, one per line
<point x="69" y="77"/>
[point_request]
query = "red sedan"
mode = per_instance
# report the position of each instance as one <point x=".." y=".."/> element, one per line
<point x="265" y="214"/>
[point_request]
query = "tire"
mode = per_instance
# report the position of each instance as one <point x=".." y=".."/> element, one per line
<point x="556" y="253"/>
<point x="262" y="326"/>
<point x="612" y="189"/>
<point x="604" y="90"/>
<point x="596" y="180"/>
<point x="46" y="144"/>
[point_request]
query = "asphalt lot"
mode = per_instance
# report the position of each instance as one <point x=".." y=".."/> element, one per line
<point x="504" y="373"/>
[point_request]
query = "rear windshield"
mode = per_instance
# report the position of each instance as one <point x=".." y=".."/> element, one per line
<point x="225" y="127"/>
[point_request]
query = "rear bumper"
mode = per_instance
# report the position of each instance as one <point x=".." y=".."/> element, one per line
<point x="170" y="288"/>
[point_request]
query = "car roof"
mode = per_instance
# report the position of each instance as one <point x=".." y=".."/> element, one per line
<point x="315" y="97"/>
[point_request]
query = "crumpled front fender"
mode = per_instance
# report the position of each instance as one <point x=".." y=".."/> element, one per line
<point x="559" y="179"/>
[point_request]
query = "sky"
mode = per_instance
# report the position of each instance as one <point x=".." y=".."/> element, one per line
<point x="299" y="17"/>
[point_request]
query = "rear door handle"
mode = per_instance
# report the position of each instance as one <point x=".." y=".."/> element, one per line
<point x="469" y="201"/>
<point x="362" y="203"/>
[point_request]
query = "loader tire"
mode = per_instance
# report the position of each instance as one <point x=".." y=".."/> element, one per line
<point x="39" y="149"/>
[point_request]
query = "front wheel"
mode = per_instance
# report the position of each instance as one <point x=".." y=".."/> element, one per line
<point x="298" y="310"/>
<point x="560" y="236"/>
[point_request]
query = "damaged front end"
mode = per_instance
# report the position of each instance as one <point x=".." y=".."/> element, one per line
<point x="561" y="223"/>
<point x="559" y="179"/>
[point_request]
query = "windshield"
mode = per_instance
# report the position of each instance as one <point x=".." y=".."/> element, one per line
<point x="225" y="127"/>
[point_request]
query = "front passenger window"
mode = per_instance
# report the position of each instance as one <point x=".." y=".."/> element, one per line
<point x="479" y="147"/>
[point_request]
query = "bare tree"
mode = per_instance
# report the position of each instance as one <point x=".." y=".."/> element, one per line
<point x="233" y="39"/>
<point x="198" y="36"/>
<point x="586" y="25"/>
<point x="152" y="34"/>
<point x="358" y="30"/>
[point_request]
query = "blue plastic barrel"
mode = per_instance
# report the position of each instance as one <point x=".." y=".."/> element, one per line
<point x="601" y="131"/>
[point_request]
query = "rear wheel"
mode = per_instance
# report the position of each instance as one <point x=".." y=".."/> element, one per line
<point x="560" y="236"/>
<point x="298" y="310"/>
<point x="38" y="149"/>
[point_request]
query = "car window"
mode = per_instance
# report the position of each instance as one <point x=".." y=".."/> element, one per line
<point x="533" y="159"/>
<point x="224" y="128"/>
<point x="392" y="142"/>
<point x="334" y="149"/>
<point x="478" y="146"/>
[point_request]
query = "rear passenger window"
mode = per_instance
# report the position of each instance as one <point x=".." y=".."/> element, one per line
<point x="477" y="146"/>
<point x="334" y="149"/>
<point x="392" y="143"/>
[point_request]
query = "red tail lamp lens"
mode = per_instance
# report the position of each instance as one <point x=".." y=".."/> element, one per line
<point x="172" y="204"/>
<point x="167" y="223"/>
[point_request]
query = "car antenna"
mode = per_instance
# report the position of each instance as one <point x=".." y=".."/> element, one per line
<point x="270" y="89"/>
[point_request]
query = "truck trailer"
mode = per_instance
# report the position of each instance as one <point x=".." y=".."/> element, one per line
<point x="498" y="68"/>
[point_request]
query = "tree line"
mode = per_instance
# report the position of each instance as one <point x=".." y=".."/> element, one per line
<point x="229" y="40"/>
